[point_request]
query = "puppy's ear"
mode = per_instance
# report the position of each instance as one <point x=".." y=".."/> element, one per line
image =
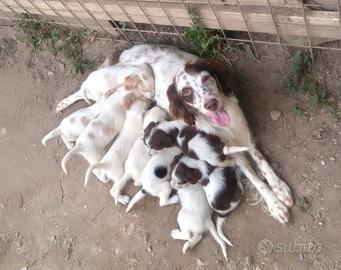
<point x="178" y="107"/>
<point x="224" y="77"/>
<point x="160" y="139"/>
<point x="148" y="130"/>
<point x="187" y="174"/>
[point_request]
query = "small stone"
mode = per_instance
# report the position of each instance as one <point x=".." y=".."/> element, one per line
<point x="3" y="132"/>
<point x="15" y="201"/>
<point x="199" y="262"/>
<point x="248" y="260"/>
<point x="50" y="74"/>
<point x="61" y="66"/>
<point x="332" y="158"/>
<point x="323" y="163"/>
<point x="275" y="115"/>
<point x="302" y="228"/>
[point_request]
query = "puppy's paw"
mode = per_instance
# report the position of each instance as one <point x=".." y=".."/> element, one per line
<point x="283" y="193"/>
<point x="185" y="247"/>
<point x="175" y="234"/>
<point x="278" y="210"/>
<point x="124" y="199"/>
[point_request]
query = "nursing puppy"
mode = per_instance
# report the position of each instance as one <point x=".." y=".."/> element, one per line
<point x="73" y="125"/>
<point x="193" y="143"/>
<point x="93" y="142"/>
<point x="155" y="178"/>
<point x="138" y="156"/>
<point x="99" y="82"/>
<point x="223" y="189"/>
<point x="111" y="166"/>
<point x="195" y="218"/>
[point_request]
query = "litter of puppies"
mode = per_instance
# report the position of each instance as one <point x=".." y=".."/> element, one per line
<point x="124" y="138"/>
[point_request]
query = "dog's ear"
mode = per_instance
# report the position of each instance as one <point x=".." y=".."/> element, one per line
<point x="224" y="77"/>
<point x="148" y="130"/>
<point x="178" y="107"/>
<point x="187" y="174"/>
<point x="160" y="139"/>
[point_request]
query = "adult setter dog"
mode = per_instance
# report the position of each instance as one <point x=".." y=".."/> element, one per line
<point x="201" y="92"/>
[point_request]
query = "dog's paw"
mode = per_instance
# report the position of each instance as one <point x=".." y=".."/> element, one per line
<point x="175" y="233"/>
<point x="278" y="210"/>
<point x="124" y="199"/>
<point x="283" y="193"/>
<point x="60" y="107"/>
<point x="186" y="246"/>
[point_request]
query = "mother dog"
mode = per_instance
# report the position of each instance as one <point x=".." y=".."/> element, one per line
<point x="201" y="92"/>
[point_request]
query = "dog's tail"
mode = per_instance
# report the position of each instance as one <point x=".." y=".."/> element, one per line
<point x="216" y="236"/>
<point x="66" y="102"/>
<point x="53" y="133"/>
<point x="137" y="197"/>
<point x="234" y="149"/>
<point x="68" y="155"/>
<point x="219" y="225"/>
<point x="91" y="169"/>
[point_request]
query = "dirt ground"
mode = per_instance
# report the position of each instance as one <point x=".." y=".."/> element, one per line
<point x="48" y="222"/>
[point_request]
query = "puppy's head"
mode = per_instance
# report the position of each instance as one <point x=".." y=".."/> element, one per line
<point x="157" y="139"/>
<point x="184" y="174"/>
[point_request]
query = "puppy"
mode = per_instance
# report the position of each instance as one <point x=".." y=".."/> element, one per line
<point x="99" y="82"/>
<point x="138" y="155"/>
<point x="193" y="143"/>
<point x="92" y="143"/>
<point x="195" y="218"/>
<point x="73" y="125"/>
<point x="111" y="166"/>
<point x="155" y="178"/>
<point x="223" y="189"/>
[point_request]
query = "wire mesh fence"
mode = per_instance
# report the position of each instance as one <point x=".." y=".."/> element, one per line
<point x="282" y="23"/>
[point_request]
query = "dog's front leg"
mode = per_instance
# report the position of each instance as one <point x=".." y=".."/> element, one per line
<point x="137" y="197"/>
<point x="279" y="187"/>
<point x="277" y="209"/>
<point x="166" y="200"/>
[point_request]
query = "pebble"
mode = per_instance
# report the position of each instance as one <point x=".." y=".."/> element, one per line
<point x="50" y="74"/>
<point x="3" y="132"/>
<point x="275" y="115"/>
<point x="323" y="163"/>
<point x="302" y="228"/>
<point x="61" y="66"/>
<point x="15" y="201"/>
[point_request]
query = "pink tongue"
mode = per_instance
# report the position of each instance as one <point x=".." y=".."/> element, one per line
<point x="220" y="118"/>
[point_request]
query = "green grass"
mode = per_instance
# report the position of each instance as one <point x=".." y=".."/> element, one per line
<point x="208" y="43"/>
<point x="300" y="79"/>
<point x="39" y="33"/>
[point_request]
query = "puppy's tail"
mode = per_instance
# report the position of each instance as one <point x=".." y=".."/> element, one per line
<point x="234" y="149"/>
<point x="69" y="154"/>
<point x="216" y="237"/>
<point x="137" y="197"/>
<point x="219" y="224"/>
<point x="91" y="169"/>
<point x="66" y="102"/>
<point x="53" y="133"/>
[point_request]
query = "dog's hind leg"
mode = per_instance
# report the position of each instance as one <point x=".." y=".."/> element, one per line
<point x="219" y="224"/>
<point x="119" y="185"/>
<point x="69" y="154"/>
<point x="180" y="235"/>
<point x="191" y="242"/>
<point x="124" y="199"/>
<point x="137" y="197"/>
<point x="53" y="133"/>
<point x="69" y="145"/>
<point x="279" y="187"/>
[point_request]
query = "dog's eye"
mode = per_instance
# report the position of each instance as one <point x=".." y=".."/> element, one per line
<point x="205" y="78"/>
<point x="187" y="91"/>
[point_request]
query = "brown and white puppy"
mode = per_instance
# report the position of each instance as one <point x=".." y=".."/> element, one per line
<point x="93" y="142"/>
<point x="202" y="93"/>
<point x="138" y="156"/>
<point x="155" y="178"/>
<point x="195" y="218"/>
<point x="192" y="142"/>
<point x="73" y="125"/>
<point x="223" y="189"/>
<point x="99" y="82"/>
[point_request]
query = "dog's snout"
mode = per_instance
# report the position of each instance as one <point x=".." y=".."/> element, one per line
<point x="211" y="105"/>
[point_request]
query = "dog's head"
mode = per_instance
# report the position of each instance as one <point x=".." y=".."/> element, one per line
<point x="200" y="87"/>
<point x="185" y="171"/>
<point x="157" y="139"/>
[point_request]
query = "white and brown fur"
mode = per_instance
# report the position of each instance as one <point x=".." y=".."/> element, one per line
<point x="111" y="166"/>
<point x="195" y="218"/>
<point x="194" y="89"/>
<point x="107" y="78"/>
<point x="94" y="141"/>
<point x="192" y="142"/>
<point x="155" y="178"/>
<point x="223" y="189"/>
<point x="138" y="156"/>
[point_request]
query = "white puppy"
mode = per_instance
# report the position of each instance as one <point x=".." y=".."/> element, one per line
<point x="92" y="143"/>
<point x="195" y="218"/>
<point x="71" y="127"/>
<point x="111" y="166"/>
<point x="155" y="178"/>
<point x="100" y="81"/>
<point x="138" y="155"/>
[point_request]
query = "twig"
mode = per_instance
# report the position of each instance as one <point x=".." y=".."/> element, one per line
<point x="94" y="218"/>
<point x="62" y="189"/>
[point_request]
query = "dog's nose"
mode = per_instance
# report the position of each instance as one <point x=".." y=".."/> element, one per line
<point x="211" y="105"/>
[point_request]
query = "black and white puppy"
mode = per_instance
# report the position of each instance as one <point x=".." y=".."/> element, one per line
<point x="223" y="189"/>
<point x="194" y="143"/>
